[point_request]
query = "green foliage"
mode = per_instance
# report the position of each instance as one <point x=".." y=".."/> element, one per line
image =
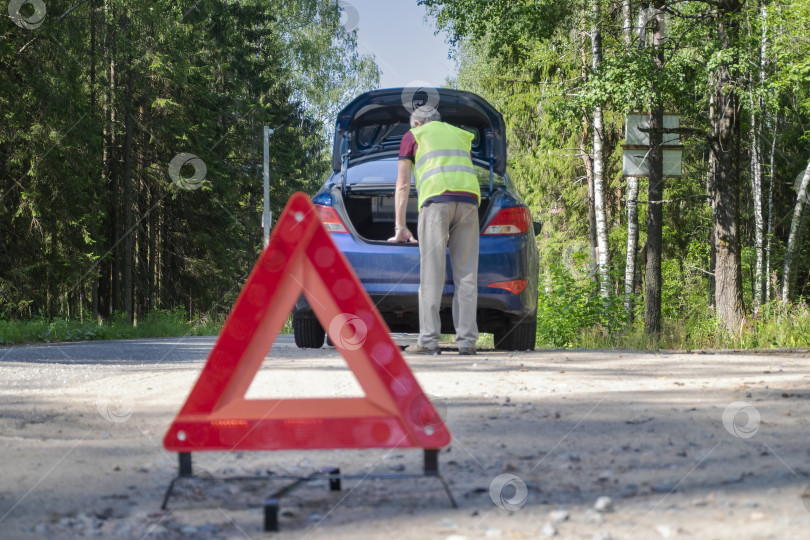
<point x="512" y="26"/>
<point x="567" y="306"/>
<point x="325" y="66"/>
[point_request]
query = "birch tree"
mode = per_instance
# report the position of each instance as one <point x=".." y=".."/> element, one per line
<point x="769" y="236"/>
<point x="632" y="193"/>
<point x="598" y="157"/>
<point x="795" y="236"/>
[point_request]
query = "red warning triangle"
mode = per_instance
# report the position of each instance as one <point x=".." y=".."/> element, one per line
<point x="302" y="258"/>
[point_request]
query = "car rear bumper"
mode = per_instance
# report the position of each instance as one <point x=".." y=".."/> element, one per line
<point x="399" y="306"/>
<point x="390" y="275"/>
<point x="402" y="318"/>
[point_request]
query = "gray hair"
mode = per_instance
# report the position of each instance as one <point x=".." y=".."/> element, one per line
<point x="423" y="115"/>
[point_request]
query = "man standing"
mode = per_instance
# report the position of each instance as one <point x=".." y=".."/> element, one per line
<point x="448" y="197"/>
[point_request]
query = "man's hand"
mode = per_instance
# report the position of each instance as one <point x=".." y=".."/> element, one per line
<point x="403" y="235"/>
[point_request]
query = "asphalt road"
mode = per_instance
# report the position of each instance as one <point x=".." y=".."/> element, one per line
<point x="125" y="352"/>
<point x="136" y="351"/>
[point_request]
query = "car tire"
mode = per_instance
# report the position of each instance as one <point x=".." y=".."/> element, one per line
<point x="517" y="337"/>
<point x="308" y="333"/>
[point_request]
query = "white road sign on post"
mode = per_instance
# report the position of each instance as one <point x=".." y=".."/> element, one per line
<point x="637" y="146"/>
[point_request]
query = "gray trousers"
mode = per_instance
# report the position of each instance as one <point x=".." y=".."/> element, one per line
<point x="453" y="225"/>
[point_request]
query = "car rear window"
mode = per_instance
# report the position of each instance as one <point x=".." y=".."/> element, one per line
<point x="384" y="171"/>
<point x="384" y="136"/>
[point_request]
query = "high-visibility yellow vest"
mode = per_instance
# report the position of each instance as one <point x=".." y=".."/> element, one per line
<point x="442" y="161"/>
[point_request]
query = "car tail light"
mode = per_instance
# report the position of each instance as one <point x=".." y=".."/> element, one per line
<point x="515" y="220"/>
<point x="515" y="286"/>
<point x="330" y="219"/>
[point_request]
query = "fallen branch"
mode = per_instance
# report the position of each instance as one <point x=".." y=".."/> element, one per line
<point x="701" y="270"/>
<point x="673" y="200"/>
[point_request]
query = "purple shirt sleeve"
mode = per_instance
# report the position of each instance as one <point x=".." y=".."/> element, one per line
<point x="408" y="146"/>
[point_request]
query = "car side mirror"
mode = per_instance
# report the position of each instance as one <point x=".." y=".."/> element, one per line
<point x="537" y="227"/>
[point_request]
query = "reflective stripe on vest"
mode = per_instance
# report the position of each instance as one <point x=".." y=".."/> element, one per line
<point x="447" y="169"/>
<point x="440" y="153"/>
<point x="443" y="161"/>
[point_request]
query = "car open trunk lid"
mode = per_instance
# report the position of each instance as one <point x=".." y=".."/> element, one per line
<point x="372" y="125"/>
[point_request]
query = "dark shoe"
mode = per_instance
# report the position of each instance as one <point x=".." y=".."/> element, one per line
<point x="466" y="351"/>
<point x="418" y="349"/>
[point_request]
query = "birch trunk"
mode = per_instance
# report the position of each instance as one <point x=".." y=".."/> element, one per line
<point x="795" y="236"/>
<point x="627" y="22"/>
<point x="632" y="246"/>
<point x="632" y="198"/>
<point x="598" y="158"/>
<point x="771" y="163"/>
<point x="588" y="161"/>
<point x="756" y="200"/>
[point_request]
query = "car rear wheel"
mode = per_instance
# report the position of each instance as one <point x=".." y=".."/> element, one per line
<point x="517" y="337"/>
<point x="308" y="333"/>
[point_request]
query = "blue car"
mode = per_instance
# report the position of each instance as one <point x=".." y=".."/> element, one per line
<point x="356" y="205"/>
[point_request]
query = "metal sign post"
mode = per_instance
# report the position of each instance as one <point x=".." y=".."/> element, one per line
<point x="267" y="215"/>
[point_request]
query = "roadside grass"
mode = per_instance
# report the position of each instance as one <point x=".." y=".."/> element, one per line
<point x="572" y="313"/>
<point x="158" y="323"/>
<point x="775" y="326"/>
